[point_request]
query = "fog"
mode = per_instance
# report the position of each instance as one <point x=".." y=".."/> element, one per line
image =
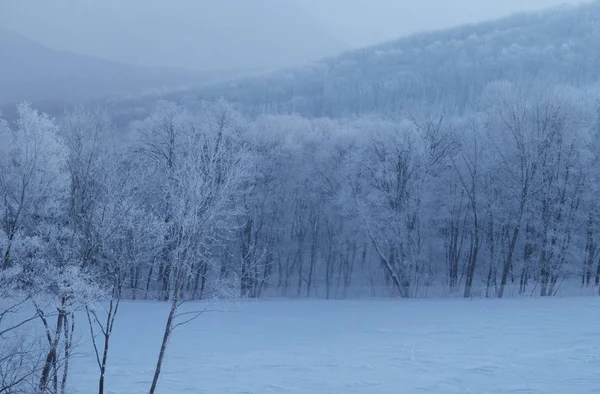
<point x="361" y="23"/>
<point x="206" y="35"/>
<point x="237" y="34"/>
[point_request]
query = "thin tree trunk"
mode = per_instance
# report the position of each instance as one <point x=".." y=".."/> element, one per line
<point x="488" y="282"/>
<point x="165" y="340"/>
<point x="50" y="361"/>
<point x="148" y="281"/>
<point x="103" y="366"/>
<point x="523" y="280"/>
<point x="508" y="262"/>
<point x="203" y="283"/>
<point x="68" y="335"/>
<point x="313" y="259"/>
<point x="544" y="275"/>
<point x="471" y="267"/>
<point x="590" y="250"/>
<point x="597" y="282"/>
<point x="110" y="322"/>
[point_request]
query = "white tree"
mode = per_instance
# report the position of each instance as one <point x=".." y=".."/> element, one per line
<point x="470" y="167"/>
<point x="523" y="126"/>
<point x="33" y="180"/>
<point x="390" y="201"/>
<point x="34" y="185"/>
<point x="203" y="168"/>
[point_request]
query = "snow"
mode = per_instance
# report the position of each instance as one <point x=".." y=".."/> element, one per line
<point x="374" y="346"/>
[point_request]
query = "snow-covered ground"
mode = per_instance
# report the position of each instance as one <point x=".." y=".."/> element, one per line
<point x="379" y="346"/>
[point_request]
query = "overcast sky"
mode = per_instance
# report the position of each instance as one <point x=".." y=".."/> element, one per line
<point x="365" y="22"/>
<point x="238" y="34"/>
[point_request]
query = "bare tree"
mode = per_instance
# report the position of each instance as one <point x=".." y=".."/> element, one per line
<point x="469" y="169"/>
<point x="20" y="352"/>
<point x="522" y="126"/>
<point x="206" y="170"/>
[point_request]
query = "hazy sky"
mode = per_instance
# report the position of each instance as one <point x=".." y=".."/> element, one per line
<point x="237" y="34"/>
<point x="366" y="22"/>
<point x="193" y="34"/>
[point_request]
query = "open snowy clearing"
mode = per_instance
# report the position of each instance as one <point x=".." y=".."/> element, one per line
<point x="383" y="346"/>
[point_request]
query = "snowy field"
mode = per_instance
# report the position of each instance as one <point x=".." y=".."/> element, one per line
<point x="382" y="346"/>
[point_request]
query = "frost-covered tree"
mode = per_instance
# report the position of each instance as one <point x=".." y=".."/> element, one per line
<point x="201" y="168"/>
<point x="37" y="242"/>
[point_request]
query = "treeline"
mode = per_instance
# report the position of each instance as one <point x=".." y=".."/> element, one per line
<point x="289" y="206"/>
<point x="202" y="202"/>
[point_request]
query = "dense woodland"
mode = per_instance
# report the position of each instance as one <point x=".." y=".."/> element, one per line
<point x="289" y="206"/>
<point x="446" y="70"/>
<point x="476" y="186"/>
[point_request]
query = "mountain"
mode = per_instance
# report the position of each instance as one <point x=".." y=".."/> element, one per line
<point x="447" y="69"/>
<point x="193" y="34"/>
<point x="31" y="71"/>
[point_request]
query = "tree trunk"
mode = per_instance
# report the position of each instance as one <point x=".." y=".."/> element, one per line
<point x="203" y="283"/>
<point x="453" y="254"/>
<point x="246" y="280"/>
<point x="474" y="249"/>
<point x="544" y="276"/>
<point x="471" y="267"/>
<point x="165" y="341"/>
<point x="50" y="361"/>
<point x="523" y="280"/>
<point x="590" y="250"/>
<point x="507" y="267"/>
<point x="313" y="259"/>
<point x="68" y="336"/>
<point x="134" y="281"/>
<point x="148" y="281"/>
<point x="300" y="262"/>
<point x="103" y="366"/>
<point x="488" y="283"/>
<point x="597" y="282"/>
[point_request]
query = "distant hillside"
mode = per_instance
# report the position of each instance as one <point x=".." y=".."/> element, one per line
<point x="33" y="72"/>
<point x="445" y="68"/>
<point x="194" y="34"/>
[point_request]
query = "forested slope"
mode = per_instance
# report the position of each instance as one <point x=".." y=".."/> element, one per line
<point x="446" y="69"/>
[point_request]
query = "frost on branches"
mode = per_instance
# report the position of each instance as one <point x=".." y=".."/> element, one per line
<point x="198" y="201"/>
